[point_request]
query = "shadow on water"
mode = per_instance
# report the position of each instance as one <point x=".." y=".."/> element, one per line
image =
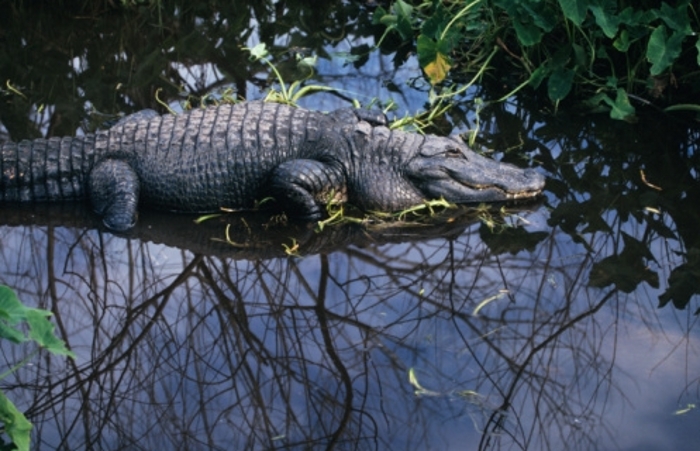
<point x="464" y="335"/>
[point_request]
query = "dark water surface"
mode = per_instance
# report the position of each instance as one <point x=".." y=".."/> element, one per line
<point x="543" y="333"/>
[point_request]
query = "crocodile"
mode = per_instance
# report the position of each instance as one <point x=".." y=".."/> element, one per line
<point x="234" y="155"/>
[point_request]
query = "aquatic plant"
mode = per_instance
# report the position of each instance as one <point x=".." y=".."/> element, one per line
<point x="600" y="54"/>
<point x="20" y="324"/>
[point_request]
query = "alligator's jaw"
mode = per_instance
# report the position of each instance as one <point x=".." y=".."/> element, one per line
<point x="449" y="169"/>
<point x="526" y="183"/>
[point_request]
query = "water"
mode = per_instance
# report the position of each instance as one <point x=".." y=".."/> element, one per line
<point x="544" y="333"/>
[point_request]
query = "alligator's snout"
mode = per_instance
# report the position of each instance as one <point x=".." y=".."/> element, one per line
<point x="533" y="182"/>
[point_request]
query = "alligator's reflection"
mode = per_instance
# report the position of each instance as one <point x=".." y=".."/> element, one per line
<point x="197" y="350"/>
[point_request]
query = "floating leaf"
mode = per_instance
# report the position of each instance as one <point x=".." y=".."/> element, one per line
<point x="487" y="301"/>
<point x="420" y="391"/>
<point x="685" y="410"/>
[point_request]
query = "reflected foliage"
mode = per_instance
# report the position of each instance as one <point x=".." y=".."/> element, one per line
<point x="607" y="176"/>
<point x="113" y="59"/>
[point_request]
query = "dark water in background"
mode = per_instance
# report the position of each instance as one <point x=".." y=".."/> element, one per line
<point x="186" y="344"/>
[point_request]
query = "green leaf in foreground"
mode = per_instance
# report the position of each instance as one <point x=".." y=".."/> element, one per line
<point x="41" y="330"/>
<point x="16" y="425"/>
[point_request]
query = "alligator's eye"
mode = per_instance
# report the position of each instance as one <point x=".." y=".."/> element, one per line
<point x="454" y="152"/>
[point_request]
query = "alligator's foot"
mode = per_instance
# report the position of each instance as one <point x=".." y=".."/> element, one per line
<point x="304" y="187"/>
<point x="114" y="194"/>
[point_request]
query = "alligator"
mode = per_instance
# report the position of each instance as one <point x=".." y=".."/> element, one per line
<point x="234" y="155"/>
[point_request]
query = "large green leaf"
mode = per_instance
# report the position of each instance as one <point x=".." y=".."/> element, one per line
<point x="663" y="51"/>
<point x="41" y="330"/>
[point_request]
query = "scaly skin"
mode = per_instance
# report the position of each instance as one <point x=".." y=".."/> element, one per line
<point x="234" y="155"/>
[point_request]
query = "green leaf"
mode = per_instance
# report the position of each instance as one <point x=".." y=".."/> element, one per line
<point x="378" y="14"/>
<point x="697" y="47"/>
<point x="541" y="15"/>
<point x="662" y="52"/>
<point x="622" y="43"/>
<point x="17" y="427"/>
<point x="574" y="10"/>
<point x="436" y="23"/>
<point x="621" y="108"/>
<point x="528" y="34"/>
<point x="403" y="23"/>
<point x="580" y="56"/>
<point x="11" y="309"/>
<point x="606" y="20"/>
<point x="677" y="19"/>
<point x="426" y="49"/>
<point x="258" y="52"/>
<point x="529" y="18"/>
<point x="403" y="9"/>
<point x="41" y="330"/>
<point x="12" y="312"/>
<point x="12" y="334"/>
<point x="559" y="83"/>
<point x="538" y="75"/>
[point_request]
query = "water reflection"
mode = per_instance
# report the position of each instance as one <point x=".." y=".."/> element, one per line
<point x="210" y="352"/>
<point x="185" y="343"/>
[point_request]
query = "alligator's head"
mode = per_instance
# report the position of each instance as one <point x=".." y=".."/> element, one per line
<point x="446" y="167"/>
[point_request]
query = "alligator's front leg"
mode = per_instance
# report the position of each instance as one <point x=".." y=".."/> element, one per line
<point x="304" y="187"/>
<point x="114" y="193"/>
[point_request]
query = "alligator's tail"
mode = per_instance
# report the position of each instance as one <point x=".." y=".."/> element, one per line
<point x="45" y="169"/>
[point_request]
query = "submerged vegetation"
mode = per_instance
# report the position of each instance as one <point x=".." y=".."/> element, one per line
<point x="598" y="54"/>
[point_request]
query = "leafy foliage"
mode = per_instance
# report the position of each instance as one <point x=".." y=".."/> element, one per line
<point x="13" y="317"/>
<point x="598" y="52"/>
